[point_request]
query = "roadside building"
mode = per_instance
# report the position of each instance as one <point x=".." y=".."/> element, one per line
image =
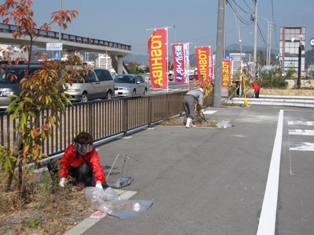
<point x="292" y="46"/>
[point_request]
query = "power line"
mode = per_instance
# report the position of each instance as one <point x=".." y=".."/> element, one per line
<point x="261" y="34"/>
<point x="248" y="5"/>
<point x="237" y="14"/>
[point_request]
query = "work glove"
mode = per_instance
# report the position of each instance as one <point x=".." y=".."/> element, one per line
<point x="61" y="183"/>
<point x="98" y="185"/>
<point x="202" y="110"/>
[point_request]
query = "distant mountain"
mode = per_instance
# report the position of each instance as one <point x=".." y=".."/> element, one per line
<point x="139" y="59"/>
<point x="246" y="49"/>
<point x="232" y="48"/>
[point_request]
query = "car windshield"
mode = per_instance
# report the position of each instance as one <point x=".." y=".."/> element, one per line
<point x="79" y="79"/>
<point x="124" y="79"/>
<point x="11" y="76"/>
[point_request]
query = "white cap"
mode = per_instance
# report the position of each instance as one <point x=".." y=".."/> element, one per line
<point x="201" y="89"/>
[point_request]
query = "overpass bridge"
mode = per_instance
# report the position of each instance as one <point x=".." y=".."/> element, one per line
<point x="71" y="43"/>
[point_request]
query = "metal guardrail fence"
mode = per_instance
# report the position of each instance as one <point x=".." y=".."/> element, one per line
<point x="102" y="119"/>
<point x="8" y="28"/>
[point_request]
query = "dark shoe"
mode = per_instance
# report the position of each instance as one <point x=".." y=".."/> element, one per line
<point x="80" y="187"/>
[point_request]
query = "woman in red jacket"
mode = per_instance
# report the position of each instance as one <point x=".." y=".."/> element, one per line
<point x="81" y="161"/>
<point x="256" y="89"/>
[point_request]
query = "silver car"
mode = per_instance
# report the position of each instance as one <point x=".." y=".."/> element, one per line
<point x="130" y="85"/>
<point x="97" y="84"/>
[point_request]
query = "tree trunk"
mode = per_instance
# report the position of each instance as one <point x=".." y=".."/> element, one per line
<point x="17" y="147"/>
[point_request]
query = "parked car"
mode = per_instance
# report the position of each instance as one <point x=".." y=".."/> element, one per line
<point x="170" y="77"/>
<point x="10" y="77"/>
<point x="130" y="85"/>
<point x="91" y="86"/>
<point x="193" y="77"/>
<point x="106" y="77"/>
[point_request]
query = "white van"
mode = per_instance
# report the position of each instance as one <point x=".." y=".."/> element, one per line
<point x="97" y="84"/>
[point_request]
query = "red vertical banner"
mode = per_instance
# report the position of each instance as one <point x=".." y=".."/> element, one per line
<point x="178" y="62"/>
<point x="226" y="68"/>
<point x="202" y="62"/>
<point x="157" y="59"/>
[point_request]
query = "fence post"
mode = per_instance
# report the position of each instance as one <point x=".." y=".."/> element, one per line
<point x="125" y="117"/>
<point x="90" y="120"/>
<point x="150" y="110"/>
<point x="168" y="106"/>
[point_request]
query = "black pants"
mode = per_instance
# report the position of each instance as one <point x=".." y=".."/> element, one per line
<point x="257" y="94"/>
<point x="83" y="174"/>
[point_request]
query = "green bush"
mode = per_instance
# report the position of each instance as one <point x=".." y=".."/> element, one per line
<point x="273" y="83"/>
<point x="274" y="79"/>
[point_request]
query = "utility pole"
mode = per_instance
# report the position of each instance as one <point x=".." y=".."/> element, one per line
<point x="255" y="41"/>
<point x="220" y="42"/>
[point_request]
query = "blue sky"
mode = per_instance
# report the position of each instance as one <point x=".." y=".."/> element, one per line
<point x="127" y="21"/>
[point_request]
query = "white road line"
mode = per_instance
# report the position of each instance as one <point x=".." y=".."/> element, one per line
<point x="209" y="112"/>
<point x="267" y="222"/>
<point x="307" y="123"/>
<point x="303" y="146"/>
<point x="301" y="132"/>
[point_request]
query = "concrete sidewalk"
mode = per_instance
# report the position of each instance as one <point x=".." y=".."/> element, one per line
<point x="202" y="180"/>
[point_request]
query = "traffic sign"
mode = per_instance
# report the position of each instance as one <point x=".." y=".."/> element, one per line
<point x="312" y="42"/>
<point x="227" y="57"/>
<point x="53" y="46"/>
<point x="57" y="56"/>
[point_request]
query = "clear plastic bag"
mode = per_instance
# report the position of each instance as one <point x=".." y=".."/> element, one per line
<point x="223" y="124"/>
<point x="109" y="202"/>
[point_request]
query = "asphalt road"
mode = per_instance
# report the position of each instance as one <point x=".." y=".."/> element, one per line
<point x="214" y="180"/>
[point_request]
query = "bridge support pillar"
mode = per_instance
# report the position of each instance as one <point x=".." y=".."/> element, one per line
<point x="120" y="67"/>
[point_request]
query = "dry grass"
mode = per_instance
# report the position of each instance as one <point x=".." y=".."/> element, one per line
<point x="43" y="209"/>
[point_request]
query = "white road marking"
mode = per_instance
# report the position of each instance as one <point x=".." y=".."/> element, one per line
<point x="209" y="112"/>
<point x="267" y="220"/>
<point x="307" y="123"/>
<point x="304" y="146"/>
<point x="89" y="222"/>
<point x="301" y="132"/>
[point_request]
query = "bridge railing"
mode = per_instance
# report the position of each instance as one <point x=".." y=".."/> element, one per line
<point x="103" y="119"/>
<point x="8" y="28"/>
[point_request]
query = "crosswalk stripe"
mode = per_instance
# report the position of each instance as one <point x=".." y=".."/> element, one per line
<point x="301" y="132"/>
<point x="304" y="146"/>
<point x="307" y="123"/>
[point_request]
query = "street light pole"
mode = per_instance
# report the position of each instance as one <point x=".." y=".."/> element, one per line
<point x="60" y="25"/>
<point x="60" y="30"/>
<point x="301" y="48"/>
<point x="299" y="68"/>
<point x="268" y="53"/>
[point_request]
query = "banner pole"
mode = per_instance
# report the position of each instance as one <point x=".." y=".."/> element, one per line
<point x="167" y="60"/>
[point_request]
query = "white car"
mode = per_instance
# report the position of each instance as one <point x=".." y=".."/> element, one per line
<point x="130" y="85"/>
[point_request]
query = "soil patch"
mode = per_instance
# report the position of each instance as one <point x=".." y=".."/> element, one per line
<point x="180" y="121"/>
